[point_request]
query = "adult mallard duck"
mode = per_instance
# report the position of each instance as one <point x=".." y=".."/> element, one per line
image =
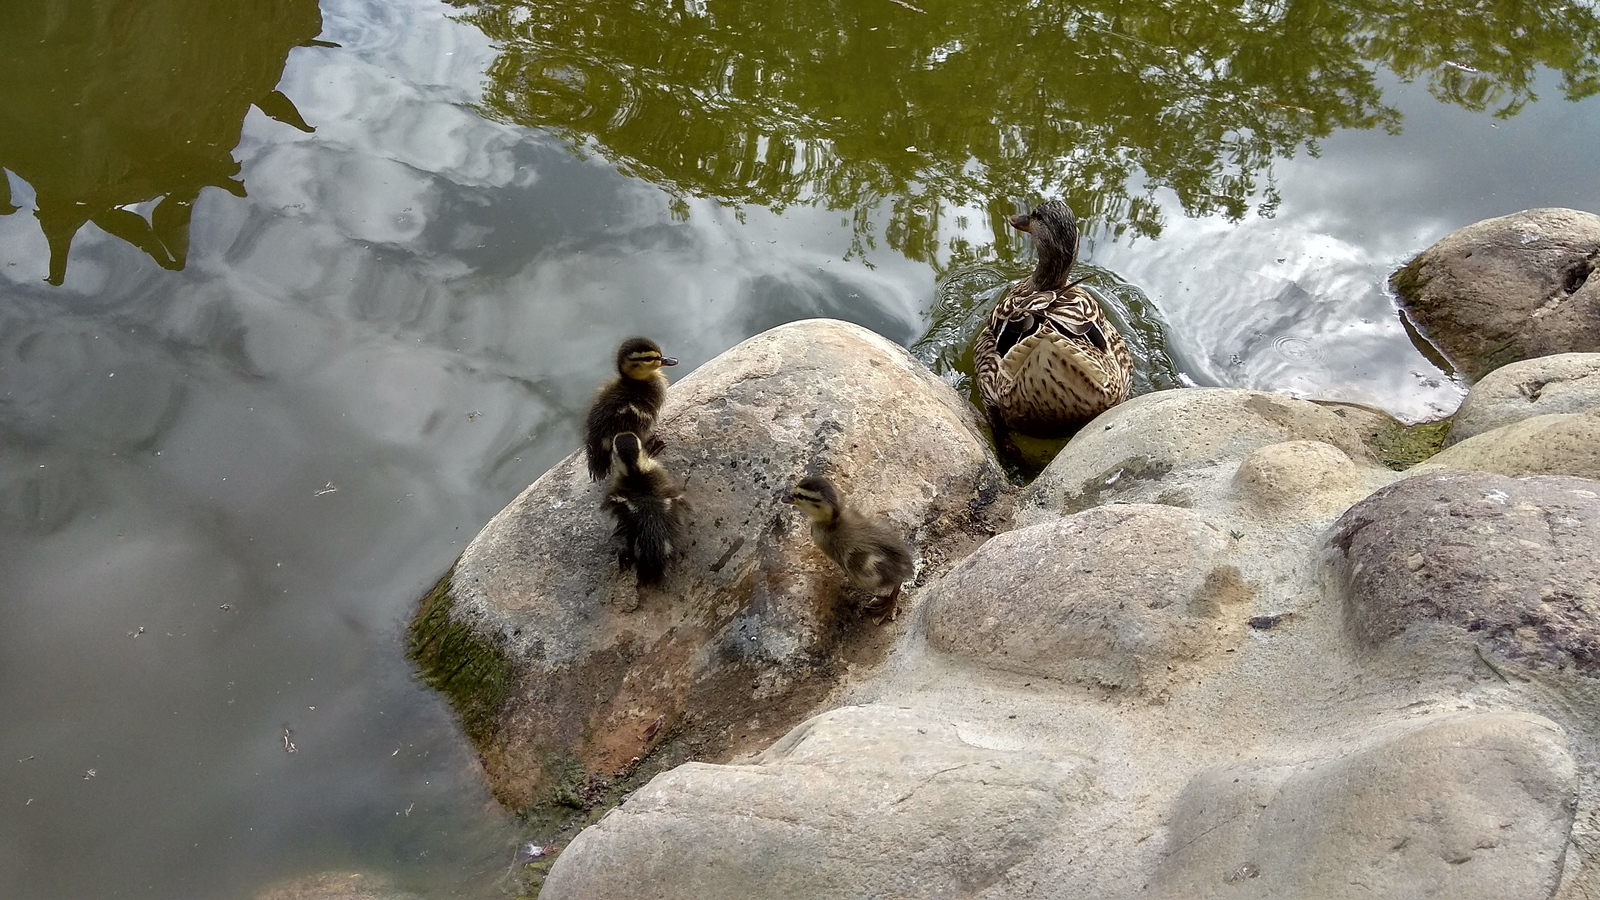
<point x="1047" y="359"/>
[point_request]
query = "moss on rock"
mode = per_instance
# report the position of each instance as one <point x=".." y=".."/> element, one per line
<point x="1401" y="446"/>
<point x="468" y="668"/>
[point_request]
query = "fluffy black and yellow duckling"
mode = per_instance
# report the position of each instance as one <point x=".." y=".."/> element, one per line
<point x="868" y="548"/>
<point x="1047" y="359"/>
<point x="629" y="403"/>
<point x="648" y="506"/>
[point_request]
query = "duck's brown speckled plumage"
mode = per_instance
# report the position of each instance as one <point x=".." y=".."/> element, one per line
<point x="1048" y="360"/>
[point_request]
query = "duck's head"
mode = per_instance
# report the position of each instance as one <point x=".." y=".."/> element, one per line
<point x="640" y="358"/>
<point x="816" y="498"/>
<point x="1055" y="232"/>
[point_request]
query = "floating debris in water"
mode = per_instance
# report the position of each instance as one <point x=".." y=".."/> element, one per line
<point x="532" y="853"/>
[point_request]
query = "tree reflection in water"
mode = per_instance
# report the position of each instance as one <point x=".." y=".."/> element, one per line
<point x="106" y="104"/>
<point x="934" y="104"/>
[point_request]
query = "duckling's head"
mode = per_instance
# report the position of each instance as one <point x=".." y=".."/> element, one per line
<point x="1055" y="232"/>
<point x="816" y="498"/>
<point x="627" y="453"/>
<point x="640" y="358"/>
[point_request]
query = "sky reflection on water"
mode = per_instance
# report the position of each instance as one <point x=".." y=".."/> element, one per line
<point x="395" y="330"/>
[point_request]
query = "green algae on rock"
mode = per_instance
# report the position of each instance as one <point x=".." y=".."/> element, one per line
<point x="458" y="662"/>
<point x="1400" y="446"/>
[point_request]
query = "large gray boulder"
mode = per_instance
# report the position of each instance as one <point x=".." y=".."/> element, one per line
<point x="740" y="640"/>
<point x="1507" y="289"/>
<point x="861" y="803"/>
<point x="1123" y="598"/>
<point x="1548" y="385"/>
<point x="1474" y="807"/>
<point x="1513" y="564"/>
<point x="1154" y="689"/>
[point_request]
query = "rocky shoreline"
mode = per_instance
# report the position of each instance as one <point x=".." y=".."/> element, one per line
<point x="1223" y="652"/>
<point x="1220" y="647"/>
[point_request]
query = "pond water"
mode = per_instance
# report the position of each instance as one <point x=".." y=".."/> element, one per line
<point x="291" y="304"/>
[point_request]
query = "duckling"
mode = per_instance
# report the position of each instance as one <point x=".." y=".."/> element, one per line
<point x="629" y="403"/>
<point x="866" y="547"/>
<point x="1048" y="360"/>
<point x="648" y="506"/>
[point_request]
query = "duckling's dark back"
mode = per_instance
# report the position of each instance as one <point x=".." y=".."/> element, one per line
<point x="648" y="508"/>
<point x="870" y="549"/>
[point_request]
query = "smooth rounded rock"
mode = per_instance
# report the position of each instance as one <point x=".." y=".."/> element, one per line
<point x="1549" y="385"/>
<point x="860" y="803"/>
<point x="1511" y="563"/>
<point x="1507" y="289"/>
<point x="1566" y="444"/>
<point x="1473" y="807"/>
<point x="1120" y="597"/>
<point x="1143" y="441"/>
<point x="1306" y="478"/>
<point x="747" y="617"/>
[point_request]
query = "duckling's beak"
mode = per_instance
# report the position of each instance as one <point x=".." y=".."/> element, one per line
<point x="1022" y="223"/>
<point x="786" y="497"/>
<point x="669" y="360"/>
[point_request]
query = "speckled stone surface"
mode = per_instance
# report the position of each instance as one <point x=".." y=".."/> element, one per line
<point x="1507" y="289"/>
<point x="1512" y="562"/>
<point x="1549" y="385"/>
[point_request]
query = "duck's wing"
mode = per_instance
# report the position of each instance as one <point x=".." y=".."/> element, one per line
<point x="878" y="557"/>
<point x="1069" y="313"/>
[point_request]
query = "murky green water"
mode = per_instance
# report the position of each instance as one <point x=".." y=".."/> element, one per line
<point x="292" y="301"/>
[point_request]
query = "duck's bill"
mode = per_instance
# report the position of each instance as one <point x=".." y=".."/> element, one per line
<point x="669" y="360"/>
<point x="1022" y="223"/>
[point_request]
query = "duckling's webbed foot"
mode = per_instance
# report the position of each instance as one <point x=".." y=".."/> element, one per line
<point x="887" y="607"/>
<point x="653" y="445"/>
